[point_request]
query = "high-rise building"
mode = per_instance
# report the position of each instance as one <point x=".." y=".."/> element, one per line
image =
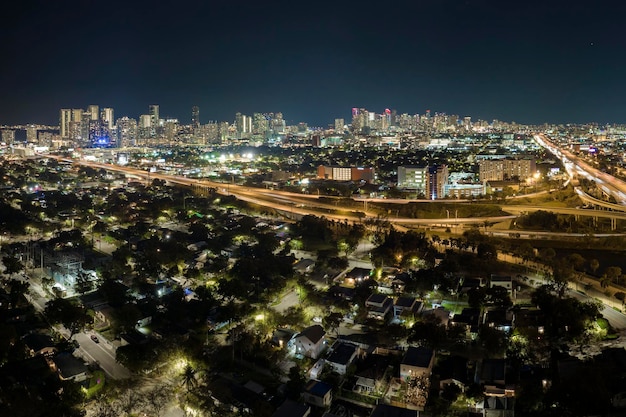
<point x="153" y="110"/>
<point x="8" y="136"/>
<point x="339" y="125"/>
<point x="195" y="117"/>
<point x="69" y="123"/>
<point x="413" y="178"/>
<point x="243" y="123"/>
<point x="106" y="115"/>
<point x="31" y="134"/>
<point x="506" y="169"/>
<point x="126" y="132"/>
<point x="94" y="112"/>
<point x="437" y="181"/>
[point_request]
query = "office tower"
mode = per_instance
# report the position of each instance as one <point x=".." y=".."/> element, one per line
<point x="170" y="127"/>
<point x="243" y="123"/>
<point x="8" y="136"/>
<point x="126" y="132"/>
<point x="65" y="118"/>
<point x="106" y="115"/>
<point x="339" y="125"/>
<point x="260" y="123"/>
<point x="413" y="178"/>
<point x="195" y="117"/>
<point x="278" y="123"/>
<point x="437" y="180"/>
<point x="153" y="110"/>
<point x="31" y="134"/>
<point x="506" y="169"/>
<point x="467" y="123"/>
<point x="94" y="112"/>
<point x="69" y="123"/>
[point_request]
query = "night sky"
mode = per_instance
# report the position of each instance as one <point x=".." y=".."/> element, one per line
<point x="528" y="61"/>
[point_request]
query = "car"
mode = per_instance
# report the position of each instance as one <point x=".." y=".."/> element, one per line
<point x="95" y="338"/>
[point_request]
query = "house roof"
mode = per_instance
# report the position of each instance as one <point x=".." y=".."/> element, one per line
<point x="454" y="367"/>
<point x="418" y="356"/>
<point x="68" y="365"/>
<point x="313" y="333"/>
<point x="373" y="367"/>
<point x="377" y="298"/>
<point x="384" y="410"/>
<point x="291" y="408"/>
<point x="342" y="354"/>
<point x="38" y="341"/>
<point x="318" y="388"/>
<point x="405" y="302"/>
<point x="492" y="370"/>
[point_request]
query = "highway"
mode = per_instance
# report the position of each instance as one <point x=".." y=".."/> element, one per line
<point x="575" y="166"/>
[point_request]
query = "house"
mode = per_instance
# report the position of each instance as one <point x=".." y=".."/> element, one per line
<point x="469" y="319"/>
<point x="133" y="337"/>
<point x="491" y="372"/>
<point x="291" y="408"/>
<point x="357" y="275"/>
<point x="342" y="356"/>
<point x="318" y="393"/>
<point x="378" y="306"/>
<point x="370" y="373"/>
<point x="304" y="266"/>
<point x="440" y="313"/>
<point x="501" y="281"/>
<point x="69" y="367"/>
<point x="500" y="319"/>
<point x="407" y="306"/>
<point x="385" y="410"/>
<point x="456" y="370"/>
<point x="281" y="337"/>
<point x="39" y="344"/>
<point x="417" y="361"/>
<point x="310" y="342"/>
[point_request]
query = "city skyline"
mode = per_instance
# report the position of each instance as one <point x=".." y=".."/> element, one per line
<point x="530" y="63"/>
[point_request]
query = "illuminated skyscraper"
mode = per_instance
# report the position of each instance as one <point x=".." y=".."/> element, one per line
<point x="153" y="110"/>
<point x="106" y="115"/>
<point x="94" y="112"/>
<point x="126" y="132"/>
<point x="437" y="180"/>
<point x="195" y="117"/>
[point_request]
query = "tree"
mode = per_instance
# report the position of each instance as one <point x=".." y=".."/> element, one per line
<point x="188" y="378"/>
<point x="72" y="316"/>
<point x="594" y="265"/>
<point x="613" y="274"/>
<point x="12" y="264"/>
<point x="84" y="282"/>
<point x="620" y="295"/>
<point x="296" y="383"/>
<point x="157" y="398"/>
<point x="18" y="290"/>
<point x="333" y="321"/>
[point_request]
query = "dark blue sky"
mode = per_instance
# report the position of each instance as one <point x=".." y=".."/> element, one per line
<point x="529" y="61"/>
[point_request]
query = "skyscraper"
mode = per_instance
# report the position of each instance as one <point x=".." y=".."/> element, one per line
<point x="94" y="112"/>
<point x="126" y="132"/>
<point x="106" y="115"/>
<point x="195" y="117"/>
<point x="437" y="180"/>
<point x="153" y="110"/>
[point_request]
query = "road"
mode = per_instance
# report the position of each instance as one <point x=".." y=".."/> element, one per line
<point x="102" y="353"/>
<point x="575" y="166"/>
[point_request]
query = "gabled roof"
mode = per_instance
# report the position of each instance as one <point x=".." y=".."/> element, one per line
<point x="313" y="333"/>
